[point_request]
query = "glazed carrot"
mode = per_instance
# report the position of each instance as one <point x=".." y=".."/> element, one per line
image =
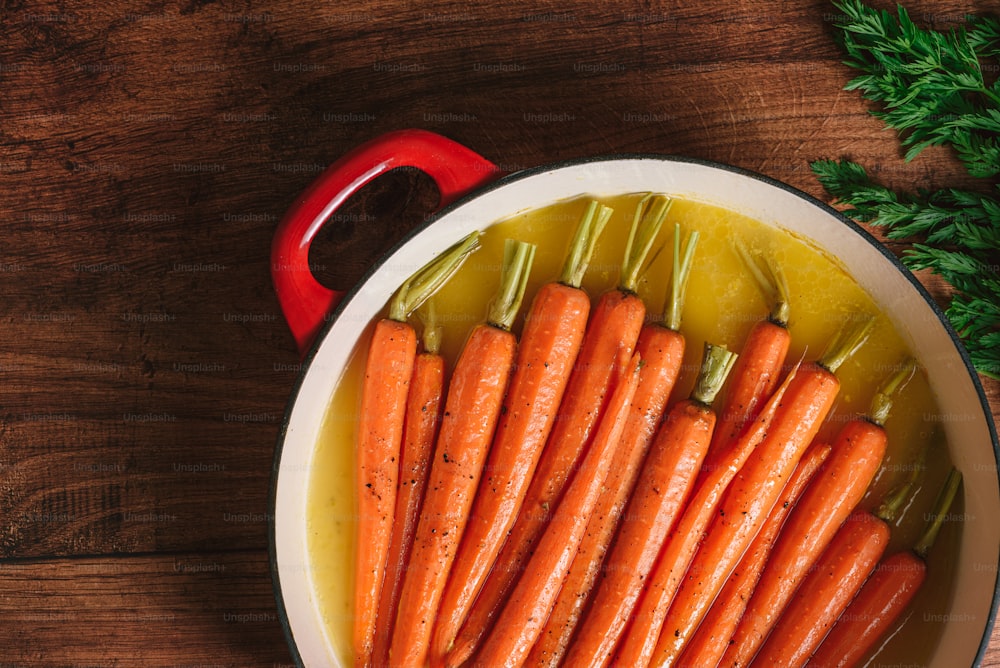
<point x="388" y="370"/>
<point x="709" y="642"/>
<point x="684" y="598"/>
<point x="663" y="488"/>
<point x="661" y="346"/>
<point x="522" y="617"/>
<point x="857" y="455"/>
<point x="758" y="368"/>
<point x="420" y="427"/>
<point x="549" y="345"/>
<point x="608" y="344"/>
<point x="472" y="407"/>
<point x="885" y="595"/>
<point x="825" y="593"/>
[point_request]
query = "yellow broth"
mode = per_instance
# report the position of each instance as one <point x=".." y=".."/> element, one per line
<point x="722" y="304"/>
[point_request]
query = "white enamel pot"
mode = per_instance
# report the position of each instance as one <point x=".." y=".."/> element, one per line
<point x="326" y="326"/>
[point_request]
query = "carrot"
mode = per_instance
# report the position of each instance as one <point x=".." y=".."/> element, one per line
<point x="549" y="345"/>
<point x="529" y="605"/>
<point x="608" y="344"/>
<point x="472" y="408"/>
<point x="758" y="368"/>
<point x="825" y="593"/>
<point x="857" y="456"/>
<point x="420" y="427"/>
<point x="681" y="600"/>
<point x="388" y="370"/>
<point x="885" y="595"/>
<point x="661" y="346"/>
<point x="662" y="489"/>
<point x="709" y="642"/>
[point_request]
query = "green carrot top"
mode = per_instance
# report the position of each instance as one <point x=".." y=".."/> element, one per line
<point x="419" y="287"/>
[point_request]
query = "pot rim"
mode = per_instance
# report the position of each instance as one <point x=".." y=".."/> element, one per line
<point x="533" y="172"/>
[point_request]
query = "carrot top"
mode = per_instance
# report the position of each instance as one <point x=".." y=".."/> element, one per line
<point x="771" y="282"/>
<point x="846" y="343"/>
<point x="715" y="367"/>
<point x="883" y="399"/>
<point x="431" y="338"/>
<point x="678" y="278"/>
<point x="938" y="513"/>
<point x="517" y="259"/>
<point x="416" y="289"/>
<point x="892" y="504"/>
<point x="649" y="217"/>
<point x="582" y="246"/>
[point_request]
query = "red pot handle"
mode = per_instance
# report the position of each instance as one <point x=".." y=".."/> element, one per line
<point x="304" y="301"/>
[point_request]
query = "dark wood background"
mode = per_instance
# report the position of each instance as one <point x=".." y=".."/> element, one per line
<point x="147" y="152"/>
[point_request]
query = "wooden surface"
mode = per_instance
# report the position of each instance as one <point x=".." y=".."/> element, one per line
<point x="147" y="151"/>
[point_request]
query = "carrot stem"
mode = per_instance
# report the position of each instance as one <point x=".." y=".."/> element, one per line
<point x="883" y="399"/>
<point x="940" y="510"/>
<point x="679" y="277"/>
<point x="846" y="343"/>
<point x="771" y="282"/>
<point x="431" y="338"/>
<point x="416" y="289"/>
<point x="715" y="367"/>
<point x="892" y="504"/>
<point x="649" y="217"/>
<point x="584" y="241"/>
<point x="517" y="259"/>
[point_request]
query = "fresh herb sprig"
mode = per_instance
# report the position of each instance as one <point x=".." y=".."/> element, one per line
<point x="931" y="89"/>
<point x="931" y="84"/>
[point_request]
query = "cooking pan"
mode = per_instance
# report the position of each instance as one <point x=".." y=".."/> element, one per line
<point x="474" y="192"/>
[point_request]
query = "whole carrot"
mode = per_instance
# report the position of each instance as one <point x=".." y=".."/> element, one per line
<point x="746" y="503"/>
<point x="549" y="345"/>
<point x="472" y="407"/>
<point x="388" y="371"/>
<point x="758" y="368"/>
<point x="822" y="597"/>
<point x="522" y="617"/>
<point x="885" y="595"/>
<point x="709" y="642"/>
<point x="663" y="487"/>
<point x="661" y="346"/>
<point x="420" y="428"/>
<point x="857" y="456"/>
<point x="608" y="344"/>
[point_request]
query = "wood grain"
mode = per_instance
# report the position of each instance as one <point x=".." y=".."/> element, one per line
<point x="147" y="152"/>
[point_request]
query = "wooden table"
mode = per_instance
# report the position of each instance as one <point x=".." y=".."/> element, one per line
<point x="147" y="151"/>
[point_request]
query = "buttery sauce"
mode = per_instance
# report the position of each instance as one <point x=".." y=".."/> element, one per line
<point x="722" y="304"/>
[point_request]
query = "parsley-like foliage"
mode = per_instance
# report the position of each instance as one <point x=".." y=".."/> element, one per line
<point x="931" y="89"/>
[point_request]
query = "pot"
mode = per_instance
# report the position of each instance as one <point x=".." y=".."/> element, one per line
<point x="327" y="324"/>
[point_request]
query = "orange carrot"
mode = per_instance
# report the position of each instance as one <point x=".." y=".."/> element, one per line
<point x="607" y="346"/>
<point x="677" y="601"/>
<point x="388" y="371"/>
<point x="885" y="595"/>
<point x="758" y="368"/>
<point x="420" y="427"/>
<point x="709" y="642"/>
<point x="662" y="350"/>
<point x="529" y="605"/>
<point x="821" y="598"/>
<point x="549" y="345"/>
<point x="857" y="456"/>
<point x="472" y="407"/>
<point x="663" y="487"/>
